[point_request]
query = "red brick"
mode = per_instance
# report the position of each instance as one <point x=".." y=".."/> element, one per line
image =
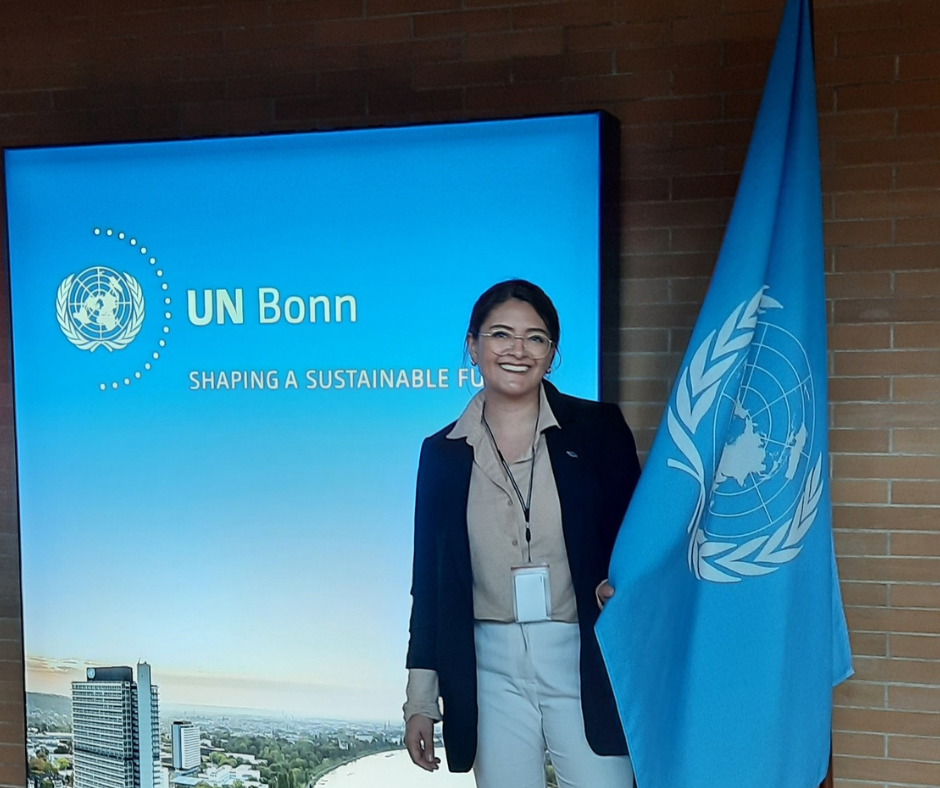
<point x="886" y="258"/>
<point x="629" y="36"/>
<point x="742" y="105"/>
<point x="908" y="203"/>
<point x="271" y="37"/>
<point x="881" y="415"/>
<point x="729" y="27"/>
<point x="858" y="233"/>
<point x="919" y="441"/>
<point x="619" y="87"/>
<point x="667" y="58"/>
<point x="855" y="125"/>
<point x="890" y="95"/>
<point x="564" y="14"/>
<point x="408" y="102"/>
<point x="387" y="7"/>
<point x="636" y="390"/>
<point x="871" y="16"/>
<point x="864" y="71"/>
<point x="859" y="336"/>
<point x="665" y="110"/>
<point x="890" y="309"/>
<point x="917" y="389"/>
<point x="862" y="543"/>
<point x="363" y="31"/>
<point x="632" y="11"/>
<point x="900" y="40"/>
<point x="859" y="440"/>
<point x="915" y="646"/>
<point x="645" y="190"/>
<point x="670" y="214"/>
<point x="861" y="152"/>
<point x="439" y="75"/>
<point x="223" y="66"/>
<point x="528" y="43"/>
<point x="913" y="748"/>
<point x="300" y="108"/>
<point x="668" y="264"/>
<point x="748" y="53"/>
<point x="910" y="518"/>
<point x="893" y="466"/>
<point x="917" y="335"/>
<point x="705" y="186"/>
<point x="660" y="162"/>
<point x="918" y="121"/>
<point x="643" y="340"/>
<point x="920" y="175"/>
<point x="292" y="11"/>
<point x="364" y="80"/>
<point x="514" y="99"/>
<point x="920" y="66"/>
<point x="207" y="17"/>
<point x="916" y="493"/>
<point x="644" y="291"/>
<point x="714" y="134"/>
<point x="919" y="283"/>
<point x="273" y="86"/>
<point x="859" y="390"/>
<point x="892" y="362"/>
<point x="704" y="81"/>
<point x="449" y="24"/>
<point x="642" y="241"/>
<point x="697" y="239"/>
<point x="920" y="544"/>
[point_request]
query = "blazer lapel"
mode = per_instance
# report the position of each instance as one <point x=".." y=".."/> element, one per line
<point x="564" y="449"/>
<point x="455" y="488"/>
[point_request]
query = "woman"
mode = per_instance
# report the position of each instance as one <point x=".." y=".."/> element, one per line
<point x="517" y="508"/>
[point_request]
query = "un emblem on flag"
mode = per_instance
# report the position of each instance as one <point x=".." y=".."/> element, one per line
<point x="100" y="307"/>
<point x="752" y="379"/>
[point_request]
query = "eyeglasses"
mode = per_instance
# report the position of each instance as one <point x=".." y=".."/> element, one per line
<point x="534" y="345"/>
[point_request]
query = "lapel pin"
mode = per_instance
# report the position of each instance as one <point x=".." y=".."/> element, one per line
<point x="572" y="454"/>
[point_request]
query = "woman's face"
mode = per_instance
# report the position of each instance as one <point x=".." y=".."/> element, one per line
<point x="514" y="372"/>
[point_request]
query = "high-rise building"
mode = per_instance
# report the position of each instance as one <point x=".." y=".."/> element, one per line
<point x="185" y="737"/>
<point x="116" y="729"/>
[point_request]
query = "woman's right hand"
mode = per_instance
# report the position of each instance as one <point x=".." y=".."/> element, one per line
<point x="419" y="740"/>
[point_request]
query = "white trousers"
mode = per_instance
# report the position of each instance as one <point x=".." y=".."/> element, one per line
<point x="529" y="699"/>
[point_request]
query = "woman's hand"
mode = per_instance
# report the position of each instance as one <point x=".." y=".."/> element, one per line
<point x="419" y="740"/>
<point x="603" y="593"/>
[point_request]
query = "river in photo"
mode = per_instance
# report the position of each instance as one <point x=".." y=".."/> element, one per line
<point x="392" y="770"/>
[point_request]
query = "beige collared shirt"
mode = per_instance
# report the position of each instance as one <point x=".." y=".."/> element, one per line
<point x="496" y="527"/>
<point x="496" y="521"/>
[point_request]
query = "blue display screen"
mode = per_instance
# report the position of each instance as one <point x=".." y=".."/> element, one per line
<point x="226" y="355"/>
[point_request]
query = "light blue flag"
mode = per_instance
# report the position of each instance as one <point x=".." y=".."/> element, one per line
<point x="726" y="633"/>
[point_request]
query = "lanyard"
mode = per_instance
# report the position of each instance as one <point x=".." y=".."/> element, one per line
<point x="525" y="503"/>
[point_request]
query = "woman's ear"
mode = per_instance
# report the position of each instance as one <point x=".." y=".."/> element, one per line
<point x="472" y="349"/>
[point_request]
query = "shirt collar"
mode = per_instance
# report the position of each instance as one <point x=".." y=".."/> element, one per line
<point x="470" y="423"/>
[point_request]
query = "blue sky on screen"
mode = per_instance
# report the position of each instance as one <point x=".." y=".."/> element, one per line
<point x="250" y="542"/>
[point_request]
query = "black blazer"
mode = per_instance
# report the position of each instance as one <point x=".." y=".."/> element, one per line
<point x="594" y="460"/>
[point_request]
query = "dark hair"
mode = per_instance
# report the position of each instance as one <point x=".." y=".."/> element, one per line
<point x="520" y="290"/>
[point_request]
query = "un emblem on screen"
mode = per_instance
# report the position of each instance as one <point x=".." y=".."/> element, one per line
<point x="750" y="385"/>
<point x="100" y="307"/>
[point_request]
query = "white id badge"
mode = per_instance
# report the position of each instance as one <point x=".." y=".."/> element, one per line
<point x="531" y="593"/>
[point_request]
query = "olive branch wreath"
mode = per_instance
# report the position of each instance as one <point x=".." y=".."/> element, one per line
<point x="698" y="387"/>
<point x="122" y="340"/>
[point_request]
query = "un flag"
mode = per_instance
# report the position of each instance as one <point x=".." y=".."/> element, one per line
<point x="726" y="633"/>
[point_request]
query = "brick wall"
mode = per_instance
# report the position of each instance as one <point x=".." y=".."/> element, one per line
<point x="684" y="78"/>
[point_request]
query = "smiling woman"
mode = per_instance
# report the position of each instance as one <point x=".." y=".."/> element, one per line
<point x="517" y="508"/>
